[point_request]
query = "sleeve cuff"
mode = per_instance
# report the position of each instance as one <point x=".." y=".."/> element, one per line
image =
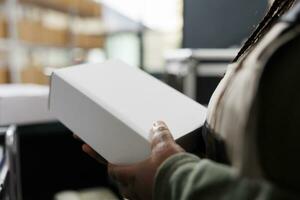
<point x="166" y="169"/>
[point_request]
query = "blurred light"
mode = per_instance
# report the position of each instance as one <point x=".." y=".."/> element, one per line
<point x="163" y="15"/>
<point x="96" y="56"/>
<point x="130" y="8"/>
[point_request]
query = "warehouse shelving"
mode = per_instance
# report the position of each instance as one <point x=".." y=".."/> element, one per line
<point x="13" y="44"/>
<point x="84" y="8"/>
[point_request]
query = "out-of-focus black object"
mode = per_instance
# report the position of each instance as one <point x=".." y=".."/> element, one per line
<point x="48" y="160"/>
<point x="205" y="86"/>
<point x="197" y="72"/>
<point x="3" y="167"/>
<point x="220" y="24"/>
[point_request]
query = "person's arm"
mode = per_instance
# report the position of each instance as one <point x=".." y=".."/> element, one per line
<point x="186" y="177"/>
<point x="171" y="174"/>
<point x="176" y="175"/>
<point x="136" y="181"/>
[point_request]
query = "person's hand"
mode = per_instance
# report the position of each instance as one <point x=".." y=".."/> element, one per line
<point x="136" y="181"/>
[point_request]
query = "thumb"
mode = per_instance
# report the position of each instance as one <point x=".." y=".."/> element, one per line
<point x="160" y="133"/>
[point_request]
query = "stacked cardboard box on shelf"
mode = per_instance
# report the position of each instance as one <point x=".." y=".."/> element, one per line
<point x="35" y="30"/>
<point x="88" y="7"/>
<point x="89" y="41"/>
<point x="36" y="33"/>
<point x="28" y="30"/>
<point x="80" y="7"/>
<point x="3" y="27"/>
<point x="4" y="75"/>
<point x="54" y="37"/>
<point x="34" y="74"/>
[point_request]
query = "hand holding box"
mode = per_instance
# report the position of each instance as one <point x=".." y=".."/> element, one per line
<point x="112" y="106"/>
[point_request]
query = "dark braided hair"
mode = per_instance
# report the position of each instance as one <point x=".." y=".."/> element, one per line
<point x="278" y="8"/>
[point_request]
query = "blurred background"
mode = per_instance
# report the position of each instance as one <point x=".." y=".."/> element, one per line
<point x="185" y="43"/>
<point x="37" y="36"/>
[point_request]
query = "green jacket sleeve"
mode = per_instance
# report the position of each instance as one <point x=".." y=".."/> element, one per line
<point x="187" y="177"/>
<point x="184" y="176"/>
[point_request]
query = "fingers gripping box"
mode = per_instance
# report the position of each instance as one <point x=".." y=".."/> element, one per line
<point x="112" y="107"/>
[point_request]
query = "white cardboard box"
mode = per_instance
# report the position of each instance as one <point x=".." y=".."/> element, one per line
<point x="24" y="104"/>
<point x="112" y="107"/>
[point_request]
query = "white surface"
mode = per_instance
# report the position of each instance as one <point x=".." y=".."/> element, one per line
<point x="87" y="194"/>
<point x="24" y="104"/>
<point x="112" y="107"/>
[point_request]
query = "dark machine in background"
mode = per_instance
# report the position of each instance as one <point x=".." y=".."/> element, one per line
<point x="220" y="23"/>
<point x="196" y="72"/>
<point x="213" y="26"/>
